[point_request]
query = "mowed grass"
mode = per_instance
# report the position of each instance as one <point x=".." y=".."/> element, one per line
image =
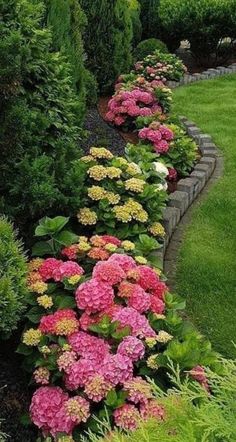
<point x="206" y="268"/>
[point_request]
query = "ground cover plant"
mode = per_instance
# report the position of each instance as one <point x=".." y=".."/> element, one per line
<point x="206" y="265"/>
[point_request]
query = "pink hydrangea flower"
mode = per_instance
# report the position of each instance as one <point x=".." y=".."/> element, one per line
<point x="70" y="252"/>
<point x="157" y="305"/>
<point x="148" y="279"/>
<point x="41" y="376"/>
<point x="117" y="369"/>
<point x="131" y="347"/>
<point x="94" y="296"/>
<point x="65" y="360"/>
<point x="47" y="411"/>
<point x="199" y="375"/>
<point x="160" y="290"/>
<point x="109" y="272"/>
<point x="62" y="322"/>
<point x="66" y="270"/>
<point x="172" y="174"/>
<point x="109" y="239"/>
<point x="79" y="372"/>
<point x="139" y="325"/>
<point x="161" y="146"/>
<point x="124" y="261"/>
<point x="49" y="266"/>
<point x="139" y="391"/>
<point x="89" y="347"/>
<point x="139" y="300"/>
<point x="86" y="320"/>
<point x="127" y="417"/>
<point x="96" y="388"/>
<point x="152" y="409"/>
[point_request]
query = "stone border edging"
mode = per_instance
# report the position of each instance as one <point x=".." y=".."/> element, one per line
<point x="205" y="75"/>
<point x="189" y="188"/>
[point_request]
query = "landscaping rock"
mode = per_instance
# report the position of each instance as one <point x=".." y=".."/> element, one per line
<point x="171" y="217"/>
<point x="179" y="200"/>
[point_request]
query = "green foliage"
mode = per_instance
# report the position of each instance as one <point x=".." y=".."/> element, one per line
<point x="150" y="18"/>
<point x="135" y="11"/>
<point x="147" y="47"/>
<point x="68" y="21"/>
<point x="108" y="39"/>
<point x="203" y="22"/>
<point x="39" y="113"/>
<point x="12" y="279"/>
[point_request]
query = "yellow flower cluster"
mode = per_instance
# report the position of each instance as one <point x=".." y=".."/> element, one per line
<point x="150" y="342"/>
<point x="66" y="327"/>
<point x="122" y="161"/>
<point x="66" y="347"/>
<point x="133" y="169"/>
<point x="156" y="229"/>
<point x="74" y="279"/>
<point x="163" y="337"/>
<point x="128" y="246"/>
<point x="113" y="198"/>
<point x="98" y="173"/>
<point x="83" y="246"/>
<point x="113" y="172"/>
<point x="101" y="153"/>
<point x="34" y="264"/>
<point x="66" y="439"/>
<point x="87" y="217"/>
<point x="110" y="247"/>
<point x="96" y="193"/>
<point x="151" y="362"/>
<point x="45" y="301"/>
<point x="87" y="159"/>
<point x="130" y="210"/>
<point x="32" y="337"/>
<point x="141" y="260"/>
<point x="39" y="287"/>
<point x="45" y="350"/>
<point x="135" y="185"/>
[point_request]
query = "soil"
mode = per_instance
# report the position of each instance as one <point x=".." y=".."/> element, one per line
<point x="14" y="395"/>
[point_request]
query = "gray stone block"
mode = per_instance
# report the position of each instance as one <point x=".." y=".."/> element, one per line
<point x="204" y="168"/>
<point x="180" y="200"/>
<point x="201" y="176"/>
<point x="208" y="160"/>
<point x="190" y="186"/>
<point x="188" y="123"/>
<point x="171" y="217"/>
<point x="197" y="76"/>
<point x="193" y="131"/>
<point x="203" y="139"/>
<point x="210" y="153"/>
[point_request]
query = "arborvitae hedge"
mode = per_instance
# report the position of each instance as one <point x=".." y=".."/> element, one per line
<point x="13" y="270"/>
<point x="67" y="22"/>
<point x="150" y="18"/>
<point x="108" y="39"/>
<point x="39" y="113"/>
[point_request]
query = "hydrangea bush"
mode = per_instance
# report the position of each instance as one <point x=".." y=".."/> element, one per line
<point x="161" y="67"/>
<point x="93" y="336"/>
<point x="117" y="196"/>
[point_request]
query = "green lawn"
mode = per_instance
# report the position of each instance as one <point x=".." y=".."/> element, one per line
<point x="206" y="270"/>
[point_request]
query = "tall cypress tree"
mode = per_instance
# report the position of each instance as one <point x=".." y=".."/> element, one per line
<point x="108" y="39"/>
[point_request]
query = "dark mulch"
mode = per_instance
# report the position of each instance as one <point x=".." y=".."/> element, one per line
<point x="14" y="396"/>
<point x="99" y="133"/>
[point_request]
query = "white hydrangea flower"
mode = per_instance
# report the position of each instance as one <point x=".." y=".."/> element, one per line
<point x="161" y="168"/>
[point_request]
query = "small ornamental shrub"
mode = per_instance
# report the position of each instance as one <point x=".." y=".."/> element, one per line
<point x="94" y="334"/>
<point x="117" y="196"/>
<point x="160" y="66"/>
<point x="147" y="47"/>
<point x="13" y="271"/>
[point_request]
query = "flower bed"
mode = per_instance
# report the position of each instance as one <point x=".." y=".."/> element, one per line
<point x="96" y="328"/>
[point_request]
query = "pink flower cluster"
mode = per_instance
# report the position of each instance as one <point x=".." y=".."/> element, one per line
<point x="62" y="322"/>
<point x="58" y="270"/>
<point x="199" y="375"/>
<point x="54" y="412"/>
<point x="127" y="105"/>
<point x="160" y="136"/>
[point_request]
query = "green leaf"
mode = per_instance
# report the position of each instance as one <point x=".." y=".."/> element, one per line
<point x="120" y="334"/>
<point x="35" y="314"/>
<point x="66" y="238"/>
<point x="42" y="248"/>
<point x="111" y="399"/>
<point x="25" y="420"/>
<point x="23" y="349"/>
<point x="64" y="301"/>
<point x="50" y="226"/>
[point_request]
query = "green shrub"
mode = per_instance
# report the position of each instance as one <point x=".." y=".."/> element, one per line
<point x="39" y="113"/>
<point x="150" y="18"/>
<point x="205" y="23"/>
<point x="68" y="21"/>
<point x="12" y="279"/>
<point x="135" y="11"/>
<point x="147" y="47"/>
<point x="108" y="39"/>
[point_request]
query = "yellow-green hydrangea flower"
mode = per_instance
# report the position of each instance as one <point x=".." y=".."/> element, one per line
<point x="98" y="173"/>
<point x="156" y="229"/>
<point x="135" y="185"/>
<point x="101" y="153"/>
<point x="96" y="193"/>
<point x="141" y="260"/>
<point x="128" y="246"/>
<point x="45" y="301"/>
<point x="87" y="217"/>
<point x="32" y="337"/>
<point x="113" y="172"/>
